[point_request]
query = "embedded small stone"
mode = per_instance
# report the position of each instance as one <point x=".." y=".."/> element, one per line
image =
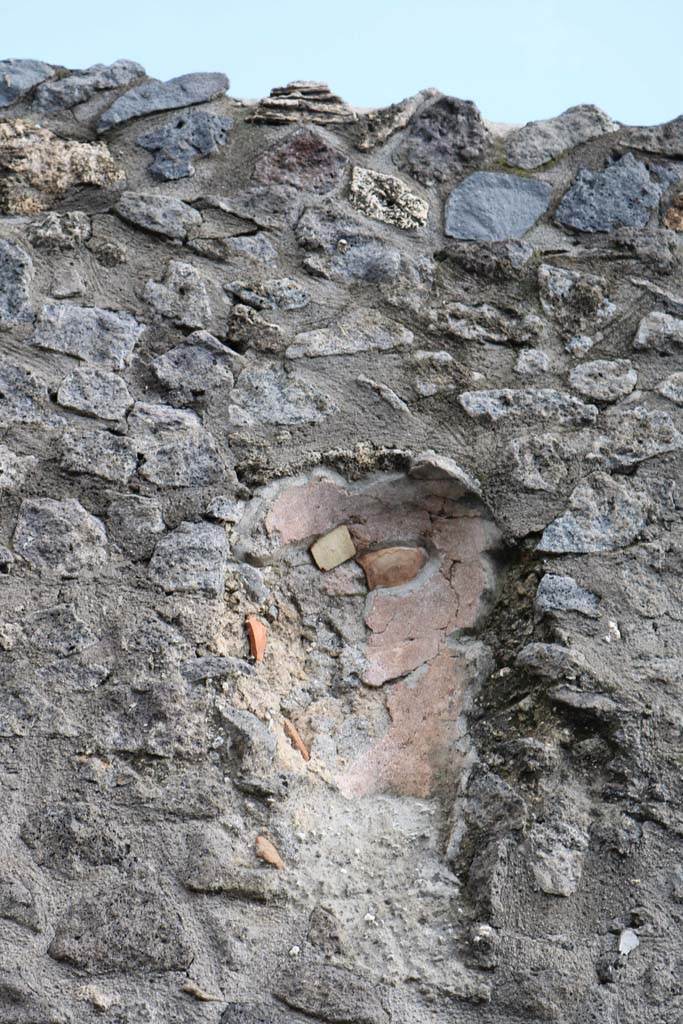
<point x="673" y="218"/>
<point x="154" y="96"/>
<point x="387" y="199"/>
<point x="16" y="275"/>
<point x="623" y="195"/>
<point x="258" y="637"/>
<point x="490" y="206"/>
<point x="17" y="77"/>
<point x="95" y="392"/>
<point x="181" y="295"/>
<point x="672" y="388"/>
<point x="162" y="215"/>
<point x="333" y="548"/>
<point x="268" y="395"/>
<point x="99" y="452"/>
<point x="191" y="559"/>
<point x="59" y="535"/>
<point x="59" y="231"/>
<point x="195" y="367"/>
<point x="605" y="514"/>
<point x="303" y="160"/>
<point x="392" y="567"/>
<point x="604" y="380"/>
<point x="532" y="362"/>
<point x="266" y="851"/>
<point x="540" y="141"/>
<point x="361" y="331"/>
<point x="563" y="594"/>
<point x="659" y="332"/>
<point x="67" y="92"/>
<point x="542" y="403"/>
<point x="183" y="139"/>
<point x="634" y="435"/>
<point x="88" y="333"/>
<point x="441" y="139"/>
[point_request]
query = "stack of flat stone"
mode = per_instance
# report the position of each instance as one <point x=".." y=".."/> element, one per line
<point x="303" y="101"/>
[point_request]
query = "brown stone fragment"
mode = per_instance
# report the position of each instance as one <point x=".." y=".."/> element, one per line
<point x="333" y="548"/>
<point x="267" y="852"/>
<point x="292" y="733"/>
<point x="192" y="989"/>
<point x="258" y="637"/>
<point x="673" y="218"/>
<point x="391" y="567"/>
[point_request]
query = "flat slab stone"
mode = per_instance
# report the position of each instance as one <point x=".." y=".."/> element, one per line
<point x="563" y="594"/>
<point x="162" y="215"/>
<point x="361" y="331"/>
<point x="333" y="548"/>
<point x="67" y="92"/>
<point x="18" y="77"/>
<point x="536" y="403"/>
<point x="540" y="141"/>
<point x="94" y="335"/>
<point x="95" y="392"/>
<point x="492" y="207"/>
<point x="153" y="96"/>
<point x="659" y="332"/>
<point x="604" y="380"/>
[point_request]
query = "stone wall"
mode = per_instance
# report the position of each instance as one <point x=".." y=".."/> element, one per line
<point x="340" y="555"/>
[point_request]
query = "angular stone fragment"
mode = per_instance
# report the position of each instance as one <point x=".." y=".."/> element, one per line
<point x="563" y="594"/>
<point x="376" y="126"/>
<point x="100" y="453"/>
<point x="348" y="250"/>
<point x="59" y="231"/>
<point x="361" y="331"/>
<point x="392" y="567"/>
<point x="303" y="160"/>
<point x="135" y="524"/>
<point x="490" y="206"/>
<point x="333" y="548"/>
<point x="623" y="195"/>
<point x="95" y="392"/>
<point x="18" y="904"/>
<point x="183" y="139"/>
<point x="672" y="388"/>
<point x="493" y="326"/>
<point x="673" y="218"/>
<point x="181" y="296"/>
<point x="635" y="435"/>
<point x="191" y="559"/>
<point x="541" y="403"/>
<point x="38" y="167"/>
<point x="16" y="275"/>
<point x="666" y="138"/>
<point x="159" y="214"/>
<point x="195" y="367"/>
<point x="302" y="101"/>
<point x="605" y="514"/>
<point x="153" y="96"/>
<point x="441" y="139"/>
<point x="94" y="335"/>
<point x="540" y="141"/>
<point x="604" y="380"/>
<point x="270" y="396"/>
<point x="23" y="397"/>
<point x="14" y="469"/>
<point x="551" y="661"/>
<point x="578" y="302"/>
<point x="60" y="536"/>
<point x="557" y="855"/>
<point x="17" y="77"/>
<point x="258" y="636"/>
<point x="537" y="462"/>
<point x="67" y="92"/>
<point x="275" y="293"/>
<point x="532" y="362"/>
<point x="659" y="332"/>
<point x="59" y="632"/>
<point x="333" y="994"/>
<point x="123" y="928"/>
<point x="385" y="198"/>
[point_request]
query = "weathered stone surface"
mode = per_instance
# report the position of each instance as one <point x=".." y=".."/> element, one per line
<point x="625" y="194"/>
<point x="162" y="215"/>
<point x="489" y="206"/>
<point x="666" y="139"/>
<point x="302" y="101"/>
<point x="135" y="524"/>
<point x="333" y="994"/>
<point x="672" y="388"/>
<point x="540" y="141"/>
<point x="673" y="218"/>
<point x="174" y="448"/>
<point x="60" y="536"/>
<point x="563" y="594"/>
<point x="275" y="293"/>
<point x="659" y="332"/>
<point x="605" y="514"/>
<point x="193" y="558"/>
<point x="154" y="96"/>
<point x="270" y="396"/>
<point x="375" y="127"/>
<point x="23" y="397"/>
<point x="441" y="139"/>
<point x="100" y="453"/>
<point x="60" y="231"/>
<point x="14" y="469"/>
<point x="303" y="160"/>
<point x="17" y="77"/>
<point x="64" y="93"/>
<point x="181" y="296"/>
<point x="635" y="435"/>
<point x="39" y="168"/>
<point x="348" y="250"/>
<point x="532" y="362"/>
<point x="16" y="275"/>
<point x="557" y="855"/>
<point x="362" y="331"/>
<point x="182" y="140"/>
<point x="95" y="392"/>
<point x="194" y="368"/>
<point x="536" y="403"/>
<point x="94" y="335"/>
<point x="604" y="380"/>
<point x="385" y="198"/>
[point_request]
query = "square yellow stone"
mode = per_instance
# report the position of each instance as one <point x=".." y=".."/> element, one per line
<point x="333" y="548"/>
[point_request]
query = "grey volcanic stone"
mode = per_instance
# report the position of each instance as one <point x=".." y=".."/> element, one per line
<point x="333" y="994"/>
<point x="191" y="559"/>
<point x="95" y="392"/>
<point x="441" y="139"/>
<point x="193" y="368"/>
<point x="100" y="453"/>
<point x="659" y="332"/>
<point x="489" y="206"/>
<point x="153" y="96"/>
<point x="182" y="140"/>
<point x="623" y="195"/>
<point x="541" y="403"/>
<point x="672" y="388"/>
<point x="360" y="332"/>
<point x="59" y="535"/>
<point x="63" y="93"/>
<point x="666" y="139"/>
<point x="94" y="335"/>
<point x="181" y="296"/>
<point x="540" y="141"/>
<point x="14" y="468"/>
<point x="563" y="594"/>
<point x="60" y="231"/>
<point x="59" y="631"/>
<point x="23" y="397"/>
<point x="267" y="395"/>
<point x="635" y="435"/>
<point x="18" y="77"/>
<point x="302" y="160"/>
<point x="162" y="215"/>
<point x="16" y="275"/>
<point x="604" y="380"/>
<point x="605" y="514"/>
<point x="135" y="524"/>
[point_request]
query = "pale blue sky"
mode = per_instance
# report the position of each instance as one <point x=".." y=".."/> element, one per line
<point x="518" y="59"/>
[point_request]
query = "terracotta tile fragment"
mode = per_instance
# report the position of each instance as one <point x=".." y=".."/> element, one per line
<point x="267" y="852"/>
<point x="333" y="548"/>
<point x="258" y="637"/>
<point x="292" y="733"/>
<point x="391" y="567"/>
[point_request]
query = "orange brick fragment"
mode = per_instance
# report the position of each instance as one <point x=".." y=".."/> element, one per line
<point x="267" y="852"/>
<point x="292" y="734"/>
<point x="258" y="636"/>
